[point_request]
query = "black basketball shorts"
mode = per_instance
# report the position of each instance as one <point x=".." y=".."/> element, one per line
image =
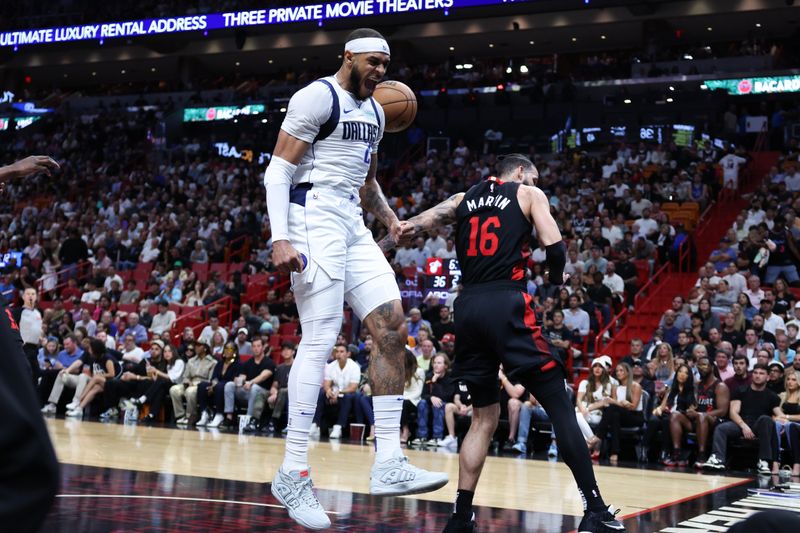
<point x="495" y="324"/>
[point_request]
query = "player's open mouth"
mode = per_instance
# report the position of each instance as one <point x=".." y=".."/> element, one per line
<point x="370" y="84"/>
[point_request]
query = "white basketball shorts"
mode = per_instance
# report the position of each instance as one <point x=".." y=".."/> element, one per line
<point x="343" y="261"/>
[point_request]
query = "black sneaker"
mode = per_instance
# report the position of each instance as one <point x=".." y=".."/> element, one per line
<point x="251" y="427"/>
<point x="600" y="521"/>
<point x="458" y="525"/>
<point x="508" y="446"/>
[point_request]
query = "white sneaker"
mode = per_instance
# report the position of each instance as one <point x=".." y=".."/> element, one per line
<point x="293" y="491"/>
<point x="433" y="443"/>
<point x="76" y="412"/>
<point x="215" y="423"/>
<point x="313" y="431"/>
<point x="73" y="405"/>
<point x="182" y="421"/>
<point x="449" y="443"/>
<point x="203" y="419"/>
<point x="763" y="468"/>
<point x="49" y="409"/>
<point x="397" y="477"/>
<point x="714" y="463"/>
<point x="336" y="432"/>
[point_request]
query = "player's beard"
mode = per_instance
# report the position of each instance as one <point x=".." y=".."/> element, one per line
<point x="361" y="86"/>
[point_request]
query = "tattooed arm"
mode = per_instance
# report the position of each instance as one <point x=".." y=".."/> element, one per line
<point x="435" y="217"/>
<point x="373" y="200"/>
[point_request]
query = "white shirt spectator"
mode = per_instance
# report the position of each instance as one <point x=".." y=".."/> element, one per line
<point x="736" y="282"/>
<point x="609" y="169"/>
<point x="793" y="181"/>
<point x="419" y="256"/>
<point x="774" y="323"/>
<point x="134" y="356"/>
<point x="755" y="297"/>
<point x="341" y="378"/>
<point x="619" y="190"/>
<point x="647" y="226"/>
<point x="730" y="169"/>
<point x="444" y="253"/>
<point x="433" y="245"/>
<point x="571" y="268"/>
<point x="578" y="319"/>
<point x="638" y="206"/>
<point x="175" y="373"/>
<point x="90" y="297"/>
<point x="162" y="322"/>
<point x="403" y="257"/>
<point x="208" y="333"/>
<point x="91" y="326"/>
<point x="612" y="234"/>
<point x="614" y="283"/>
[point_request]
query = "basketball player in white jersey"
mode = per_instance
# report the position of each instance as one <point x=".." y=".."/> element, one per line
<point x="321" y="176"/>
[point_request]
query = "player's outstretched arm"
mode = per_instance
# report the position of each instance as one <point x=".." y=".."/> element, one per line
<point x="435" y="217"/>
<point x="548" y="233"/>
<point x="25" y="167"/>
<point x="288" y="152"/>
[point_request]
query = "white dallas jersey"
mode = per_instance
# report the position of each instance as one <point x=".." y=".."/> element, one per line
<point x="340" y="160"/>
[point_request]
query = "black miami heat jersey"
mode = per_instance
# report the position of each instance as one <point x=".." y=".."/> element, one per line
<point x="492" y="234"/>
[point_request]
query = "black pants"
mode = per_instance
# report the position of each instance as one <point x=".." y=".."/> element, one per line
<point x="764" y="429"/>
<point x="156" y="393"/>
<point x="117" y="389"/>
<point x="793" y="434"/>
<point x="614" y="418"/>
<point x="28" y="467"/>
<point x="31" y="354"/>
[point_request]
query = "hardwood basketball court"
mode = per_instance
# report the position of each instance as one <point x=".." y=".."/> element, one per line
<point x="158" y="478"/>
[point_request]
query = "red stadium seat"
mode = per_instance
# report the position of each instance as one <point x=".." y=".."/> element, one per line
<point x="288" y="328"/>
<point x="201" y="269"/>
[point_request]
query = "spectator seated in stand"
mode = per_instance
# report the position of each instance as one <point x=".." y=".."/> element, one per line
<point x="339" y="393"/>
<point x="252" y="385"/>
<point x="437" y="392"/>
<point x="162" y="380"/>
<point x="212" y="392"/>
<point x="625" y="409"/>
<point x="751" y="412"/>
<point x="199" y="369"/>
<point x="279" y="392"/>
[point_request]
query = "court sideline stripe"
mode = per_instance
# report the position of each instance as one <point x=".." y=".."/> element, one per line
<point x="174" y="498"/>
<point x="686" y="499"/>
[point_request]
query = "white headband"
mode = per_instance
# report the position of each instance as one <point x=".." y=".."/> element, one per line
<point x="367" y="44"/>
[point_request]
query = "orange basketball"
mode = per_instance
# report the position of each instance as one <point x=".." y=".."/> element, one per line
<point x="399" y="104"/>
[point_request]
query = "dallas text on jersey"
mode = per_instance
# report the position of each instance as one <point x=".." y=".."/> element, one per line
<point x="359" y="131"/>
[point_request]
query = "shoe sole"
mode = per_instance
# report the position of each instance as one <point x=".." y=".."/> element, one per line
<point x="292" y="514"/>
<point x="403" y="489"/>
<point x="717" y="468"/>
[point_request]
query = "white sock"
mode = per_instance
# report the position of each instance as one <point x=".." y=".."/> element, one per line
<point x="142" y="399"/>
<point x="305" y="379"/>
<point x="388" y="410"/>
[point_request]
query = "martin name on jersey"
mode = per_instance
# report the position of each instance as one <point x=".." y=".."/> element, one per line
<point x="498" y="201"/>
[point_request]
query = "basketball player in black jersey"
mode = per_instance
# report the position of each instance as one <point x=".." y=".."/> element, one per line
<point x="28" y="467"/>
<point x="495" y="324"/>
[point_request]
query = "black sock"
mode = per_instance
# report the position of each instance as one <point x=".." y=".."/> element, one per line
<point x="464" y="504"/>
<point x="592" y="501"/>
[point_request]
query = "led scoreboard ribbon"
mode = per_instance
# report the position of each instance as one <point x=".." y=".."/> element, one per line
<point x="217" y="21"/>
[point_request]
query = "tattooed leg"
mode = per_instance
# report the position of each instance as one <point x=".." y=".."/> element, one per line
<point x="386" y="371"/>
<point x="386" y="367"/>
